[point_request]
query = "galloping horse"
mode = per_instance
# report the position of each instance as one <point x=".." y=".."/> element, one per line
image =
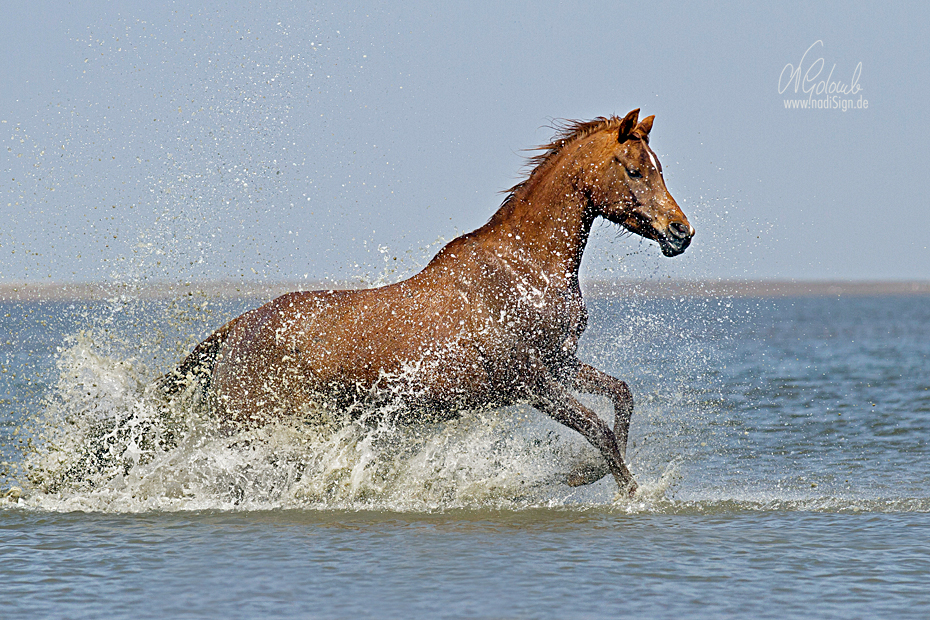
<point x="493" y="320"/>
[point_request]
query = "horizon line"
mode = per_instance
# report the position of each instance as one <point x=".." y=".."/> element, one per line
<point x="591" y="287"/>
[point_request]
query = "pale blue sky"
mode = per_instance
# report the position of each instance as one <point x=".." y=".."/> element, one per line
<point x="276" y="140"/>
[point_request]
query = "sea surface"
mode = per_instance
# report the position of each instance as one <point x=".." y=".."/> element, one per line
<point x="781" y="445"/>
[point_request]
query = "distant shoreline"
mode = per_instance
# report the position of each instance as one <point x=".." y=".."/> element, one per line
<point x="33" y="291"/>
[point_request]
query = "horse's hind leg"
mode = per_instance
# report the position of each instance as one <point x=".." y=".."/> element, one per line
<point x="589" y="379"/>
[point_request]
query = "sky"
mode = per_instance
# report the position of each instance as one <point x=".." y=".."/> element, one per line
<point x="279" y="141"/>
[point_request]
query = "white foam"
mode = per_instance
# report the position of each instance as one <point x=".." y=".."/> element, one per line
<point x="103" y="445"/>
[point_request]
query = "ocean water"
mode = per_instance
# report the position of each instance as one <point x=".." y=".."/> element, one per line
<point x="781" y="445"/>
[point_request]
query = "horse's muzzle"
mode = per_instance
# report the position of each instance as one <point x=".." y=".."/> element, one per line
<point x="676" y="238"/>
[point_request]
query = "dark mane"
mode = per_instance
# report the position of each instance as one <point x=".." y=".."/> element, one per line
<point x="567" y="131"/>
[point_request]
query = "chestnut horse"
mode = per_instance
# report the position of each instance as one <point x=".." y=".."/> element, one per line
<point x="493" y="320"/>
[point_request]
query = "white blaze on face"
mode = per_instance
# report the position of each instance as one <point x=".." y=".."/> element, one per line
<point x="652" y="158"/>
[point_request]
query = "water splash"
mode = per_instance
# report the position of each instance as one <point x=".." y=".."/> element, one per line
<point x="104" y="443"/>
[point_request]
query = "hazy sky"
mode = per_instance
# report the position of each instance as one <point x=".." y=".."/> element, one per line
<point x="278" y="140"/>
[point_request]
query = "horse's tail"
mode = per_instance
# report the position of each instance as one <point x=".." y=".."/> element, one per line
<point x="197" y="368"/>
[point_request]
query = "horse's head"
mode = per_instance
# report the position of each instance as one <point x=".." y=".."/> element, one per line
<point x="627" y="187"/>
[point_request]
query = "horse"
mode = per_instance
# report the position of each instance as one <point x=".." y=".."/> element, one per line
<point x="493" y="320"/>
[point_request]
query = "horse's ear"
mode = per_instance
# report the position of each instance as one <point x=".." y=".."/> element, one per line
<point x="627" y="125"/>
<point x="645" y="126"/>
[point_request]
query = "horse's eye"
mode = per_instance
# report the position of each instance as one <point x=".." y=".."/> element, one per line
<point x="634" y="174"/>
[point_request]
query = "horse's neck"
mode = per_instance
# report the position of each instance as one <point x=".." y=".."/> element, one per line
<point x="541" y="230"/>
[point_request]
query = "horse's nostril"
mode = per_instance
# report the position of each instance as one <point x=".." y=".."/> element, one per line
<point x="680" y="229"/>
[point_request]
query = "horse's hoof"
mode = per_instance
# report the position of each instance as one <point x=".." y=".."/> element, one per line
<point x="628" y="493"/>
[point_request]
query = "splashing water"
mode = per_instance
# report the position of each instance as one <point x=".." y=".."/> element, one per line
<point x="104" y="443"/>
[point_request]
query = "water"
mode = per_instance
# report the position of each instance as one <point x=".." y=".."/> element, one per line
<point x="781" y="445"/>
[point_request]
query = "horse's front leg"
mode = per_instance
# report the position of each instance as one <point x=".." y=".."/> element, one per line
<point x="556" y="401"/>
<point x="589" y="379"/>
